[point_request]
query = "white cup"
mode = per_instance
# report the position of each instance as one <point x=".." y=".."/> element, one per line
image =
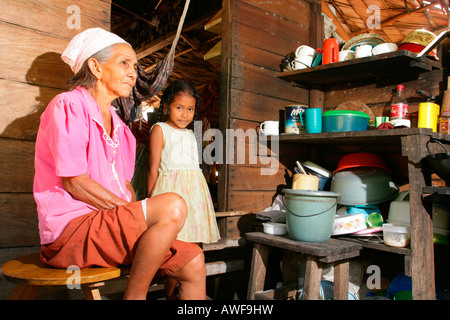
<point x="363" y="51"/>
<point x="297" y="65"/>
<point x="346" y="55"/>
<point x="384" y="48"/>
<point x="269" y="128"/>
<point x="305" y="55"/>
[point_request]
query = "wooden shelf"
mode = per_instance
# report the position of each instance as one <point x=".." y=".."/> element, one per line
<point x="354" y="71"/>
<point x="215" y="24"/>
<point x="367" y="136"/>
<point x="215" y="53"/>
<point x="378" y="246"/>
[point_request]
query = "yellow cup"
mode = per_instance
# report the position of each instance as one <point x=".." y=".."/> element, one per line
<point x="428" y="115"/>
<point x="305" y="182"/>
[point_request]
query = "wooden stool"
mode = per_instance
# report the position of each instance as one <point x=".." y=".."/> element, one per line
<point x="31" y="274"/>
<point x="332" y="251"/>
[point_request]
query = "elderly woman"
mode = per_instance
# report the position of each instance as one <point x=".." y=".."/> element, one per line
<point x="84" y="163"/>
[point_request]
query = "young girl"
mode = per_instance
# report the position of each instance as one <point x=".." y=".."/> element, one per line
<point x="174" y="165"/>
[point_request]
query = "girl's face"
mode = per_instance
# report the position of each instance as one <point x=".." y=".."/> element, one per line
<point x="182" y="111"/>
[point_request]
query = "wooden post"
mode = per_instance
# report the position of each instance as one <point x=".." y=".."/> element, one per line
<point x="313" y="274"/>
<point x="316" y="41"/>
<point x="422" y="249"/>
<point x="341" y="275"/>
<point x="258" y="269"/>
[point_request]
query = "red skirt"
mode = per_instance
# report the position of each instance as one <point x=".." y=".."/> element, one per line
<point x="108" y="238"/>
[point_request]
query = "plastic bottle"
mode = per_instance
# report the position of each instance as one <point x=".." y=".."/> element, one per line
<point x="399" y="109"/>
<point x="444" y="122"/>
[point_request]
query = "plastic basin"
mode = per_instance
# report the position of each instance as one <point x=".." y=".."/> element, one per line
<point x="344" y="120"/>
<point x="364" y="186"/>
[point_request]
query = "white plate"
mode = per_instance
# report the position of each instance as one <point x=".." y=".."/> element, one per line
<point x="349" y="223"/>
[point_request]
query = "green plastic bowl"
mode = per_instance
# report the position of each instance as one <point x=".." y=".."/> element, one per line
<point x="344" y="120"/>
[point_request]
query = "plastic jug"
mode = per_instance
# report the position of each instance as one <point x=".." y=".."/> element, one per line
<point x="428" y="115"/>
<point x="330" y="51"/>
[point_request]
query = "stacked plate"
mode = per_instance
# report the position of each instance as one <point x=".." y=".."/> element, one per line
<point x="417" y="40"/>
<point x="372" y="39"/>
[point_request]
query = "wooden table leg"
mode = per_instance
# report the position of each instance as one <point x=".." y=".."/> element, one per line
<point x="341" y="275"/>
<point x="92" y="292"/>
<point x="24" y="292"/>
<point x="289" y="267"/>
<point x="313" y="275"/>
<point x="258" y="269"/>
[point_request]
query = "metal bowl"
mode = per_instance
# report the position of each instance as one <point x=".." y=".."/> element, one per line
<point x="363" y="186"/>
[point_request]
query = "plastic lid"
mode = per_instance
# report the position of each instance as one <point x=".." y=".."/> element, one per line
<point x="395" y="228"/>
<point x="345" y="113"/>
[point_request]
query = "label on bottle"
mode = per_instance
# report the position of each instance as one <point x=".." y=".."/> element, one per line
<point x="399" y="110"/>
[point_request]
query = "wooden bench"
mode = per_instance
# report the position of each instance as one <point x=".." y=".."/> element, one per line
<point x="31" y="274"/>
<point x="332" y="251"/>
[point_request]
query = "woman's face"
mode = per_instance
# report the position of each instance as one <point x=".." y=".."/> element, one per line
<point x="119" y="73"/>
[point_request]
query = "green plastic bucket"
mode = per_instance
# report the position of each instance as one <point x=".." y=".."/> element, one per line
<point x="310" y="214"/>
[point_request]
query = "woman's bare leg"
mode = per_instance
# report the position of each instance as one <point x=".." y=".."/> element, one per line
<point x="192" y="279"/>
<point x="170" y="284"/>
<point x="166" y="214"/>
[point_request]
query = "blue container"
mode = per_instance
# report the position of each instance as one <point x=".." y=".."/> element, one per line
<point x="344" y="120"/>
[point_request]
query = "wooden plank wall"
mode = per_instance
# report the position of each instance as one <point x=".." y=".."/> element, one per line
<point x="34" y="34"/>
<point x="258" y="34"/>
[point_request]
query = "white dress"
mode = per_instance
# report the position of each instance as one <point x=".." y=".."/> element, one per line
<point x="179" y="172"/>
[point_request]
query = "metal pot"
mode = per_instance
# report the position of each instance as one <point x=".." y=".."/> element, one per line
<point x="440" y="162"/>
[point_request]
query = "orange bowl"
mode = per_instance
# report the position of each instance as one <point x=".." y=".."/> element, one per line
<point x="361" y="159"/>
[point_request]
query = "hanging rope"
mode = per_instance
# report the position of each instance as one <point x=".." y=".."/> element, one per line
<point x="148" y="85"/>
<point x="165" y="67"/>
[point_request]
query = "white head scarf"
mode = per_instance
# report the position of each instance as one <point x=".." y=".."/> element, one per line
<point x="87" y="43"/>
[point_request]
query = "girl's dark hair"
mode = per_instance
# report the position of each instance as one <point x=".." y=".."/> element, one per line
<point x="172" y="91"/>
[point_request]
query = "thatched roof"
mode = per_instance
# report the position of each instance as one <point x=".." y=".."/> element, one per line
<point x="396" y="17"/>
<point x="150" y="25"/>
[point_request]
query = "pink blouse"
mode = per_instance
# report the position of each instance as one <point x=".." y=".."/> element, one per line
<point x="72" y="141"/>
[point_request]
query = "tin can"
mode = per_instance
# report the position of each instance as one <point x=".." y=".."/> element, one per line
<point x="294" y="121"/>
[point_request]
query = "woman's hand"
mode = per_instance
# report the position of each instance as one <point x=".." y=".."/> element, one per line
<point x="87" y="190"/>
